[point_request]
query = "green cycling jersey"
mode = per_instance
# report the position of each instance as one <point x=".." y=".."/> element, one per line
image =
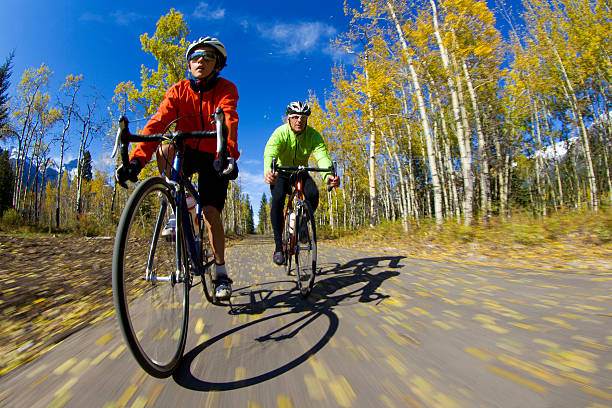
<point x="295" y="150"/>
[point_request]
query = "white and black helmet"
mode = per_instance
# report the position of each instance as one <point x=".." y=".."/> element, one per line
<point x="301" y="108"/>
<point x="213" y="42"/>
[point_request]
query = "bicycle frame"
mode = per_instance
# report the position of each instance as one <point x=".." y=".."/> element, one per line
<point x="296" y="190"/>
<point x="180" y="183"/>
<point x="183" y="184"/>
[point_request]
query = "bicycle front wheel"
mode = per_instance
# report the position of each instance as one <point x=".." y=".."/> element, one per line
<point x="306" y="249"/>
<point x="151" y="279"/>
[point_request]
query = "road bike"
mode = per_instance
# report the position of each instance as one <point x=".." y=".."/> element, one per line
<point x="153" y="274"/>
<point x="299" y="234"/>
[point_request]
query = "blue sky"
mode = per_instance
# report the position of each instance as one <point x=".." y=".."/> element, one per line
<point x="277" y="52"/>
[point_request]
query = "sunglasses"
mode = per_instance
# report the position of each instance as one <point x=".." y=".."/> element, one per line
<point x="296" y="116"/>
<point x="207" y="55"/>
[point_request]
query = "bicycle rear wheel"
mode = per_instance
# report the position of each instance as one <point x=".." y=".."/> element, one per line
<point x="151" y="279"/>
<point x="287" y="250"/>
<point x="306" y="248"/>
<point x="207" y="261"/>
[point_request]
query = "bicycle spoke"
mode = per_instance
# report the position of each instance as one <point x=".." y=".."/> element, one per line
<point x="306" y="251"/>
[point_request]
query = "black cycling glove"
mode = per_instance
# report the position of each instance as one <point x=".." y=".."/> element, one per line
<point x="226" y="167"/>
<point x="129" y="172"/>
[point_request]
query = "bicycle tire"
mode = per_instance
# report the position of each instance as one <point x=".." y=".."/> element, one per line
<point x="287" y="251"/>
<point x="152" y="313"/>
<point x="207" y="280"/>
<point x="306" y="248"/>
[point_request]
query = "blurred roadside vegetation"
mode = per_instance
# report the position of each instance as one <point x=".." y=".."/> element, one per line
<point x="522" y="228"/>
<point x="566" y="239"/>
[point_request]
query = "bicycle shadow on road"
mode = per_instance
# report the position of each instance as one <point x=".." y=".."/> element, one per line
<point x="332" y="278"/>
<point x="325" y="296"/>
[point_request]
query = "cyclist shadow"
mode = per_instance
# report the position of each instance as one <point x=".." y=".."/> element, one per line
<point x="326" y="295"/>
<point x="332" y="278"/>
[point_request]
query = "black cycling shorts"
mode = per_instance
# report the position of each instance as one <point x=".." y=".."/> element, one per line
<point x="211" y="187"/>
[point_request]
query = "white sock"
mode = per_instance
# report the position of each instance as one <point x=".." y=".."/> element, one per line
<point x="220" y="270"/>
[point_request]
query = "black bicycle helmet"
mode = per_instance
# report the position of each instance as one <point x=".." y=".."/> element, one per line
<point x="301" y="108"/>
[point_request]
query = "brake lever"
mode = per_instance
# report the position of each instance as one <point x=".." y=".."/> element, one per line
<point x="120" y="146"/>
<point x="219" y="123"/>
<point x="334" y="173"/>
<point x="273" y="165"/>
<point x="123" y="124"/>
<point x="230" y="166"/>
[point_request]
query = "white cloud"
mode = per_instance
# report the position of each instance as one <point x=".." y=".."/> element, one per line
<point x="126" y="18"/>
<point x="87" y="16"/>
<point x="298" y="38"/>
<point x="105" y="162"/>
<point x="253" y="184"/>
<point x="338" y="54"/>
<point x="244" y="24"/>
<point x="560" y="149"/>
<point x="204" y="11"/>
<point x="251" y="162"/>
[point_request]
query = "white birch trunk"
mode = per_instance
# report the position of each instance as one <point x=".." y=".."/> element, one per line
<point x="485" y="190"/>
<point x="424" y="119"/>
<point x="372" y="157"/>
<point x="571" y="95"/>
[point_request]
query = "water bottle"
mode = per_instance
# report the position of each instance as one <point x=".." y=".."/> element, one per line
<point x="191" y="206"/>
<point x="291" y="222"/>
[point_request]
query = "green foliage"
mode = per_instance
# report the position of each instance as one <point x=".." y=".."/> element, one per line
<point x="604" y="232"/>
<point x="264" y="216"/>
<point x="5" y="75"/>
<point x="12" y="218"/>
<point x="527" y="234"/>
<point x="250" y="225"/>
<point x="86" y="165"/>
<point x="453" y="232"/>
<point x="6" y="181"/>
<point x="167" y="45"/>
<point x="86" y="227"/>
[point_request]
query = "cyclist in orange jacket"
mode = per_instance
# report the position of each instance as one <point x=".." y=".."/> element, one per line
<point x="189" y="103"/>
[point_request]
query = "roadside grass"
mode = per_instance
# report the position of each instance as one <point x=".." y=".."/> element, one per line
<point x="569" y="237"/>
<point x="521" y="228"/>
<point x="83" y="225"/>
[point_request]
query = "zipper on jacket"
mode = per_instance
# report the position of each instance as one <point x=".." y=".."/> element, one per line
<point x="201" y="117"/>
<point x="201" y="100"/>
<point x="295" y="150"/>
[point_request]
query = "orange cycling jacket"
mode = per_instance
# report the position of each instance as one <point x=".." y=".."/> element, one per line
<point x="194" y="108"/>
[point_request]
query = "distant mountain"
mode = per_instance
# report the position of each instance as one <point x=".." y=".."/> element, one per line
<point x="52" y="171"/>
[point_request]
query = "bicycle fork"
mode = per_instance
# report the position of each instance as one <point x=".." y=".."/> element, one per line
<point x="150" y="274"/>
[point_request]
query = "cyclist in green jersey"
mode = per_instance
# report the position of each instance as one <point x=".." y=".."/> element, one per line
<point x="292" y="144"/>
